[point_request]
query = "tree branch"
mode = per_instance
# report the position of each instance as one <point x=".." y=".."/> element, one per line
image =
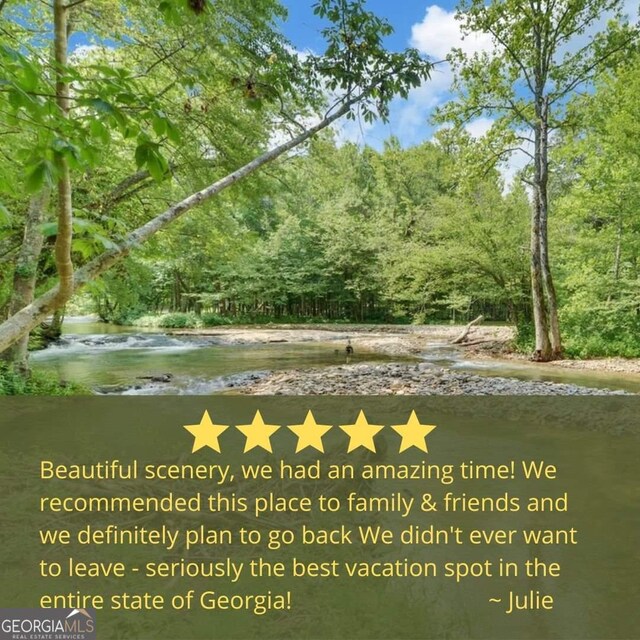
<point x="515" y="58"/>
<point x="74" y="4"/>
<point x="586" y="74"/>
<point x="29" y="317"/>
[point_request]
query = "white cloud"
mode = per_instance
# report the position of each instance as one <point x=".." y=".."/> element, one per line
<point x="85" y="51"/>
<point x="415" y="111"/>
<point x="517" y="161"/>
<point x="352" y="131"/>
<point x="479" y="127"/>
<point x="437" y="34"/>
<point x="440" y="32"/>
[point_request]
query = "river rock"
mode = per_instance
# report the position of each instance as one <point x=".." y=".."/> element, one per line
<point x="401" y="379"/>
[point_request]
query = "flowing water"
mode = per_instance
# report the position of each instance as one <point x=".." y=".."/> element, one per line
<point x="114" y="359"/>
<point x="134" y="361"/>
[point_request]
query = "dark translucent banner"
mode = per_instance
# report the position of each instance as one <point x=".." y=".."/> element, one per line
<point x="325" y="517"/>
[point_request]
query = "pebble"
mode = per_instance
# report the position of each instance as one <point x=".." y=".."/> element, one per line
<point x="403" y="379"/>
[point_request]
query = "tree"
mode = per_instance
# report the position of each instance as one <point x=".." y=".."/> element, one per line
<point x="139" y="101"/>
<point x="356" y="68"/>
<point x="599" y="233"/>
<point x="543" y="51"/>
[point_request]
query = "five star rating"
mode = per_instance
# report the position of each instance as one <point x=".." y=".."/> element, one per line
<point x="361" y="433"/>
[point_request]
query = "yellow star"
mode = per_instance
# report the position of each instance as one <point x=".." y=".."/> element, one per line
<point x="413" y="433"/>
<point x="310" y="433"/>
<point x="361" y="433"/>
<point x="206" y="433"/>
<point x="258" y="433"/>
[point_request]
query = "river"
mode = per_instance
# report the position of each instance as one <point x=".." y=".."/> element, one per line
<point x="121" y="360"/>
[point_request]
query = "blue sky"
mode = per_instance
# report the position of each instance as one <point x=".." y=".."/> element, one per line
<point x="433" y="30"/>
<point x="302" y="25"/>
<point x="409" y="119"/>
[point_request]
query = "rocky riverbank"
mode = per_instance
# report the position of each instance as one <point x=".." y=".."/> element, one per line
<point x="393" y="340"/>
<point x="485" y="342"/>
<point x="401" y="379"/>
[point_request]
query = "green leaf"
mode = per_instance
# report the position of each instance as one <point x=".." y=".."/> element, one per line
<point x="5" y="216"/>
<point x="98" y="130"/>
<point x="159" y="125"/>
<point x="168" y="11"/>
<point x="100" y="105"/>
<point x="127" y="98"/>
<point x="173" y="133"/>
<point x="105" y="242"/>
<point x="81" y="224"/>
<point x="157" y="165"/>
<point x="142" y="154"/>
<point x="59" y="145"/>
<point x="49" y="229"/>
<point x="40" y="174"/>
<point x="70" y="151"/>
<point x="30" y="75"/>
<point x="84" y="246"/>
<point x="106" y="70"/>
<point x="19" y="98"/>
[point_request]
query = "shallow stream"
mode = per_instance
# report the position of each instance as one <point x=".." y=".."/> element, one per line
<point x="134" y="361"/>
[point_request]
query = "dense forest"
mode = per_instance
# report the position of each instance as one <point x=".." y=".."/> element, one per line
<point x="120" y="136"/>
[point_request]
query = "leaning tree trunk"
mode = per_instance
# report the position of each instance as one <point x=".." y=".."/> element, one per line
<point x="30" y="316"/>
<point x="25" y="275"/>
<point x="552" y="298"/>
<point x="542" y="352"/>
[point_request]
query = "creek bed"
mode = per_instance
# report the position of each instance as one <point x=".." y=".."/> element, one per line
<point x="134" y="361"/>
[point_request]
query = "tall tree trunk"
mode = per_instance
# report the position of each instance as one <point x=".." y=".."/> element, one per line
<point x="542" y="351"/>
<point x="552" y="298"/>
<point x="30" y="316"/>
<point x="25" y="275"/>
<point x="64" y="236"/>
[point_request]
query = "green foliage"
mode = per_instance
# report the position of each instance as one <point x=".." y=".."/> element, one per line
<point x="347" y="234"/>
<point x="356" y="59"/>
<point x="524" y="341"/>
<point x="5" y="216"/>
<point x="598" y="235"/>
<point x="214" y="320"/>
<point x="175" y="320"/>
<point x="599" y="333"/>
<point x="337" y="233"/>
<point x="15" y="383"/>
<point x="178" y="321"/>
<point x="124" y="293"/>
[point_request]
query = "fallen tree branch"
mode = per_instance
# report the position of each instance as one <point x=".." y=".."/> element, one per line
<point x="463" y="336"/>
<point x="476" y="343"/>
